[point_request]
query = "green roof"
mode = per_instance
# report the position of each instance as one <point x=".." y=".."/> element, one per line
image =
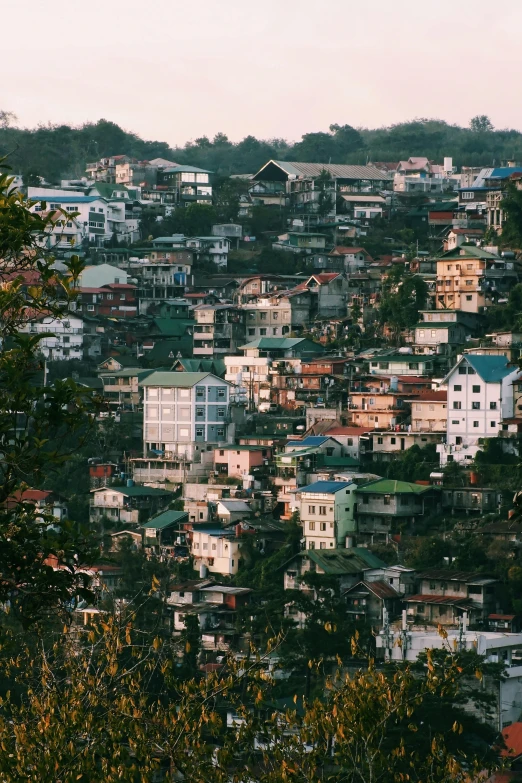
<point x="342" y="462"/>
<point x="166" y="519"/>
<point x="393" y="487"/>
<point x="467" y="251"/>
<point x="343" y="561"/>
<point x="134" y="492"/>
<point x="166" y="351"/>
<point x="172" y="327"/>
<point x="216" y="366"/>
<point x="492" y="369"/>
<point x="131" y="373"/>
<point x="178" y="379"/>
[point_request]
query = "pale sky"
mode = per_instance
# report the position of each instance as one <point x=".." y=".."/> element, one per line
<point x="173" y="70"/>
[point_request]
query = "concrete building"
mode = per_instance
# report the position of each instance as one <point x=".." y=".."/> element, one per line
<point x="216" y="548"/>
<point x="429" y="411"/>
<point x="480" y="395"/>
<point x="326" y="511"/>
<point x="471" y="279"/>
<point x="218" y="329"/>
<point x="386" y="506"/>
<point x="65" y="336"/>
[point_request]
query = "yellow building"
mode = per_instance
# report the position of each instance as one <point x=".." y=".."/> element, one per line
<point x="469" y="279"/>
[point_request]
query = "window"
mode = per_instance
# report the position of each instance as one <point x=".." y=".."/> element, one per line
<point x="349" y="441"/>
<point x="476" y="389"/>
<point x="366" y="500"/>
<point x="311" y="545"/>
<point x="221" y="413"/>
<point x="469" y="282"/>
<point x="90" y="307"/>
<point x="469" y="298"/>
<point x="458" y="440"/>
<point x="457" y="405"/>
<point x="379" y="441"/>
<point x="462" y="369"/>
<point x="393" y="441"/>
<point x="322" y="526"/>
<point x="467" y="195"/>
<point x="251" y="332"/>
<point x="475" y="423"/>
<point x="322" y="545"/>
<point x="493" y="406"/>
<point x="263" y="316"/>
<point x="457" y="387"/>
<point x="322" y="511"/>
<point x="200" y="413"/>
<point x="387" y="500"/>
<point x="200" y="432"/>
<point x="262" y="332"/>
<point x="311" y="509"/>
<point x="222" y="393"/>
<point x="475" y="406"/>
<point x="492" y="423"/>
<point x="311" y="526"/>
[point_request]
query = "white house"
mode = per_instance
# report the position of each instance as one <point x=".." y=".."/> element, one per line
<point x="216" y="548"/>
<point x="100" y="275"/>
<point x="65" y="336"/>
<point x="184" y="412"/>
<point x="479" y="396"/>
<point x="327" y="513"/>
<point x="90" y="222"/>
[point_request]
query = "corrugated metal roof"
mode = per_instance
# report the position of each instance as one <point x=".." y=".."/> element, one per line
<point x="438" y="599"/>
<point x="338" y="170"/>
<point x="178" y="379"/>
<point x="343" y="561"/>
<point x="325" y="487"/>
<point x="379" y="588"/>
<point x="165" y="520"/>
<point x="392" y="487"/>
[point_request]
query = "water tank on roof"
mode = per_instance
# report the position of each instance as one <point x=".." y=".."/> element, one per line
<point x="394" y="383"/>
<point x="202" y="571"/>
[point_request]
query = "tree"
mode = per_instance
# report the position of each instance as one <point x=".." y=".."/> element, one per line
<point x="481" y="124"/>
<point x="7" y="118"/>
<point x="34" y="419"/>
<point x="401" y="300"/>
<point x="325" y="201"/>
<point x="512" y="207"/>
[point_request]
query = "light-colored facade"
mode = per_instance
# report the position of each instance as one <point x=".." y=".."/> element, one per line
<point x="65" y="340"/>
<point x="326" y="510"/>
<point x="438" y="338"/>
<point x="429" y="413"/>
<point x="480" y="395"/>
<point x="217" y="549"/>
<point x="184" y="413"/>
<point x="100" y="275"/>
<point x="470" y="279"/>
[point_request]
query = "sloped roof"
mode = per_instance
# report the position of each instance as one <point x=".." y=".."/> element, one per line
<point x="274" y="343"/>
<point x="379" y="588"/>
<point x="172" y="327"/>
<point x="310" y="440"/>
<point x="134" y="492"/>
<point x="343" y="561"/>
<point x="337" y="170"/>
<point x="325" y="487"/>
<point x="166" y="519"/>
<point x="177" y="379"/>
<point x="490" y="368"/>
<point x="512" y="736"/>
<point x="393" y="487"/>
<point x="455" y="600"/>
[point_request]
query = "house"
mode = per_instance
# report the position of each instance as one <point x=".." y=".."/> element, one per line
<point x="184" y="412"/>
<point x="377" y="410"/>
<point x="354" y="258"/>
<point x="127" y="505"/>
<point x="216" y="548"/>
<point x="354" y="440"/>
<point x="402" y="364"/>
<point x="132" y="537"/>
<point x="218" y="329"/>
<point x="504" y="623"/>
<point x="101" y="275"/>
<point x="115" y="300"/>
<point x="444" y="596"/>
<point x="252" y="374"/>
<point x="459" y="236"/>
<point x="87" y="221"/>
<point x="121" y="389"/>
<point x="331" y="290"/>
<point x="161" y="534"/>
<point x="44" y="500"/>
<point x="479" y="397"/>
<point x="495" y="647"/>
<point x="347" y="566"/>
<point x="429" y="411"/>
<point x="298" y="181"/>
<point x="163" y="281"/>
<point x="477" y="500"/>
<point x="214" y="605"/>
<point x="420" y="175"/>
<point x="281" y="347"/>
<point x="64" y="335"/>
<point x="386" y="445"/>
<point x="366" y="601"/>
<point x="181" y="185"/>
<point x="470" y="279"/>
<point x="229" y="511"/>
<point x="387" y="506"/>
<point x="438" y="338"/>
<point x="240" y="460"/>
<point x="326" y="511"/>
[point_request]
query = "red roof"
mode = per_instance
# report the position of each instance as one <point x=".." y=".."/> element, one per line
<point x="341" y="250"/>
<point x="429" y="395"/>
<point x="324" y="277"/>
<point x="124" y="286"/>
<point x="478" y="231"/>
<point x="512" y="736"/>
<point x="413" y="378"/>
<point x="349" y="431"/>
<point x="501" y="616"/>
<point x="379" y="588"/>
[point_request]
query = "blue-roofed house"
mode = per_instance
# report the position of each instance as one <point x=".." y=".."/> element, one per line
<point x="327" y="513"/>
<point x="480" y="395"/>
<point x="322" y="443"/>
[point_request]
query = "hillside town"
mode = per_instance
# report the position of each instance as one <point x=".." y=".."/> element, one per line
<point x="355" y="415"/>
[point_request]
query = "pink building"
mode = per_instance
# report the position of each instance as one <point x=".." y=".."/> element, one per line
<point x="240" y="460"/>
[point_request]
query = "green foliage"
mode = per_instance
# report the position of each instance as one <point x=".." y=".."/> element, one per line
<point x="413" y="464"/>
<point x="426" y="552"/>
<point x="402" y="298"/>
<point x="481" y="124"/>
<point x="512" y="207"/>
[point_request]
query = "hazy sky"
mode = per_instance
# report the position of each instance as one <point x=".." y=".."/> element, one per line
<point x="177" y="69"/>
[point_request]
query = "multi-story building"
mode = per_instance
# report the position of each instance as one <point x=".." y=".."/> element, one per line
<point x="480" y="395"/>
<point x="420" y="175"/>
<point x="181" y="185"/>
<point x="444" y="595"/>
<point x="219" y="329"/>
<point x="326" y="512"/>
<point x="384" y="446"/>
<point x="64" y="335"/>
<point x="117" y="300"/>
<point x="207" y="249"/>
<point x="471" y="279"/>
<point x="279" y="314"/>
<point x="429" y="411"/>
<point x="305" y="196"/>
<point x="128" y="505"/>
<point x="386" y="506"/>
<point x="402" y="364"/>
<point x="215" y="547"/>
<point x="377" y="410"/>
<point x="439" y="338"/>
<point x="185" y="413"/>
